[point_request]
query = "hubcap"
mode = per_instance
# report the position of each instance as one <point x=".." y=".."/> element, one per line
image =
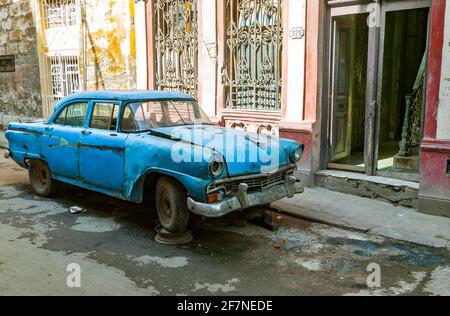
<point x="41" y="175"/>
<point x="166" y="206"/>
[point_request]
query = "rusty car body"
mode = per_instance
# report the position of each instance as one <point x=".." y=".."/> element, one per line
<point x="122" y="143"/>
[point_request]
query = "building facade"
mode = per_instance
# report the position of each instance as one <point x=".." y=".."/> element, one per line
<point x="243" y="60"/>
<point x="19" y="64"/>
<point x="363" y="84"/>
<point x="435" y="159"/>
<point x="349" y="79"/>
<point x="54" y="48"/>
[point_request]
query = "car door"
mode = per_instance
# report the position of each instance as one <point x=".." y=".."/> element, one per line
<point x="59" y="144"/>
<point x="102" y="147"/>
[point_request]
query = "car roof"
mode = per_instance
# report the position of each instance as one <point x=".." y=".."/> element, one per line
<point x="128" y="95"/>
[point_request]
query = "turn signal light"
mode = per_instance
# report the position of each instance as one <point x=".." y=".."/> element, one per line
<point x="214" y="198"/>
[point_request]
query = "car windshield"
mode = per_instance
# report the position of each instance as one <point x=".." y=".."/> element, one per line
<point x="146" y="115"/>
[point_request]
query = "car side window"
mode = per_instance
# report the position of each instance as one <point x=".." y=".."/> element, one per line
<point x="61" y="119"/>
<point x="72" y="115"/>
<point x="134" y="118"/>
<point x="104" y="116"/>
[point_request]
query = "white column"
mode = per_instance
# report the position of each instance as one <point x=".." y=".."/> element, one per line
<point x="141" y="46"/>
<point x="207" y="50"/>
<point x="443" y="125"/>
<point x="296" y="60"/>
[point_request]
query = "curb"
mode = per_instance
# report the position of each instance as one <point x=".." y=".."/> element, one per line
<point x="376" y="230"/>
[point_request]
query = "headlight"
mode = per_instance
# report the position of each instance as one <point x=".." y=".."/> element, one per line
<point x="216" y="167"/>
<point x="297" y="154"/>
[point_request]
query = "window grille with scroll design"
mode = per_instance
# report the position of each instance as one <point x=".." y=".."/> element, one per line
<point x="252" y="74"/>
<point x="60" y="13"/>
<point x="176" y="45"/>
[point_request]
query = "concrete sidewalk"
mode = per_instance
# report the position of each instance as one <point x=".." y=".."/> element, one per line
<point x="371" y="216"/>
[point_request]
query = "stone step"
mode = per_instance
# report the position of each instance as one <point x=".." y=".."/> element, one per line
<point x="408" y="163"/>
<point x="397" y="192"/>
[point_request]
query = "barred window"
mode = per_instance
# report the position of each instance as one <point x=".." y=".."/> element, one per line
<point x="176" y="45"/>
<point x="252" y="74"/>
<point x="60" y="13"/>
<point x="64" y="76"/>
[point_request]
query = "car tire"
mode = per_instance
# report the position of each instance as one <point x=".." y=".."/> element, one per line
<point x="171" y="205"/>
<point x="41" y="179"/>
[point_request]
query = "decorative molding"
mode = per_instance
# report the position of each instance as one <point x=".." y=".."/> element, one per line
<point x="298" y="126"/>
<point x="238" y="125"/>
<point x="267" y="129"/>
<point x="252" y="126"/>
<point x="266" y="116"/>
<point x="436" y="146"/>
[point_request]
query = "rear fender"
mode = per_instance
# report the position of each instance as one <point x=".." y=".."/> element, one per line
<point x="24" y="144"/>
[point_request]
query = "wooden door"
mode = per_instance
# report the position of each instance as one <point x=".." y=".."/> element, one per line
<point x="340" y="118"/>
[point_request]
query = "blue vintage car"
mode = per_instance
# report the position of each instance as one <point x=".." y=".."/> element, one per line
<point x="128" y="144"/>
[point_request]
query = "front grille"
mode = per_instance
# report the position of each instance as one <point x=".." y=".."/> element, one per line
<point x="255" y="184"/>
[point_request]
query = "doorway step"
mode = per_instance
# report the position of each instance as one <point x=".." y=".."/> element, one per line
<point x="397" y="192"/>
<point x="408" y="163"/>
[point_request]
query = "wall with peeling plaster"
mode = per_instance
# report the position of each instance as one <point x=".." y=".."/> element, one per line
<point x="110" y="41"/>
<point x="108" y="53"/>
<point x="20" y="93"/>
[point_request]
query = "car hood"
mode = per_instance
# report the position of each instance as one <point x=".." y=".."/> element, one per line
<point x="244" y="153"/>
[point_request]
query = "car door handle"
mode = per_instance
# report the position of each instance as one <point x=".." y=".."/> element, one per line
<point x="49" y="128"/>
<point x="86" y="132"/>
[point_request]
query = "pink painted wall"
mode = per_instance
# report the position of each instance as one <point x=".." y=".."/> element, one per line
<point x="435" y="183"/>
<point x="305" y="138"/>
<point x="308" y="131"/>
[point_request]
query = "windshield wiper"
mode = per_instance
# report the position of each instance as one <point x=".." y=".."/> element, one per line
<point x="184" y="122"/>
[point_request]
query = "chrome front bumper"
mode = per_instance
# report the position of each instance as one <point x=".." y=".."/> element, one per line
<point x="244" y="200"/>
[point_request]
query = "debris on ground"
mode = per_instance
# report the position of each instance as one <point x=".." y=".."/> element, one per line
<point x="77" y="210"/>
<point x="292" y="239"/>
<point x="279" y="244"/>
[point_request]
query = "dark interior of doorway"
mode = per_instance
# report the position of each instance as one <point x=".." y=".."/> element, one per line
<point x="404" y="49"/>
<point x="403" y="75"/>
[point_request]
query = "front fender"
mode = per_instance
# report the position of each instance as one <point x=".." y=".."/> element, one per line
<point x="195" y="187"/>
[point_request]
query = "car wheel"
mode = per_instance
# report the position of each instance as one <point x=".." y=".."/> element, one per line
<point x="41" y="179"/>
<point x="171" y="205"/>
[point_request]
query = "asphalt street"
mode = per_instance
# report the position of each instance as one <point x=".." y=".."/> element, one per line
<point x="112" y="244"/>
